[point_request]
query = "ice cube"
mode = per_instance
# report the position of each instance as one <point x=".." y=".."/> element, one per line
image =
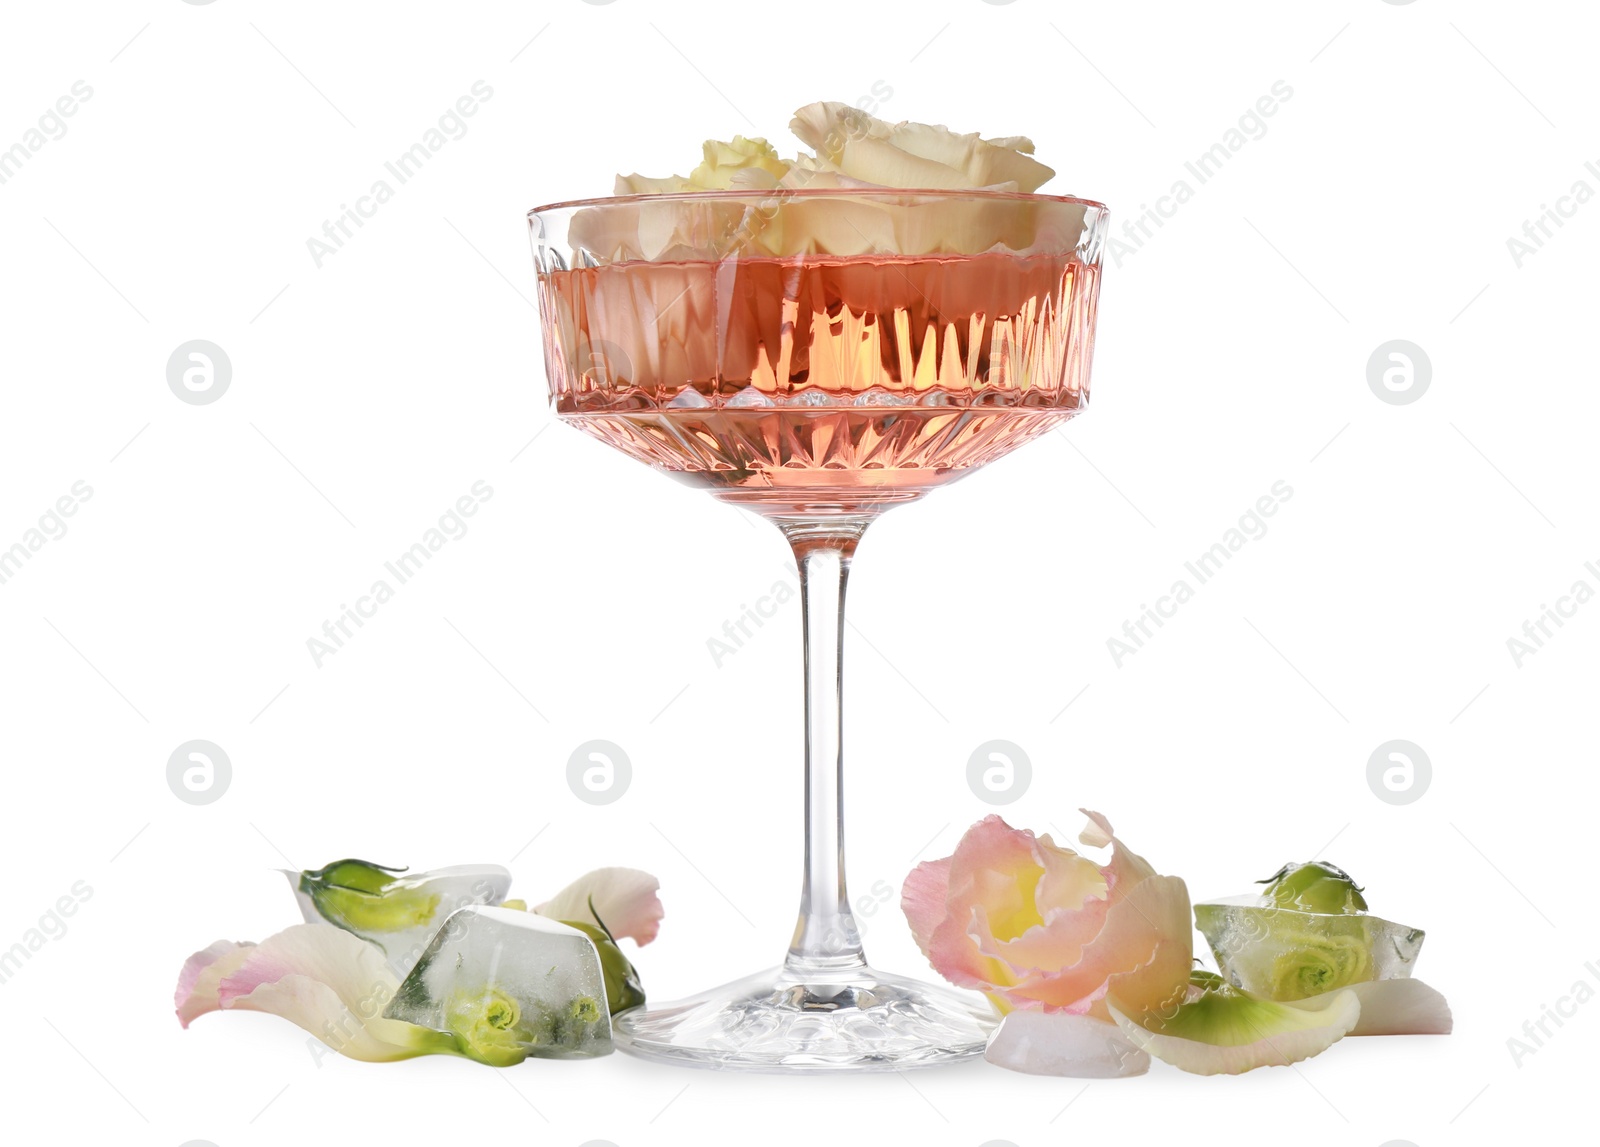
<point x="1286" y="954"/>
<point x="688" y="398"/>
<point x="508" y="985"/>
<point x="1056" y="1043"/>
<point x="750" y="396"/>
<point x="398" y="911"/>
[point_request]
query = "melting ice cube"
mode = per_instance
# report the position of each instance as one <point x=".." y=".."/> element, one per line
<point x="508" y="985"/>
<point x="398" y="911"/>
<point x="1286" y="954"/>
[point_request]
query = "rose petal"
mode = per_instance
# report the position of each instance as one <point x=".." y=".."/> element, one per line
<point x="1400" y="1007"/>
<point x="1127" y="867"/>
<point x="624" y="899"/>
<point x="330" y="983"/>
<point x="913" y="154"/>
<point x="992" y="876"/>
<point x="1058" y="1043"/>
<point x="923" y="898"/>
<point x="1162" y="980"/>
<point x="1072" y="896"/>
<point x="1246" y="1033"/>
<point x="1146" y="945"/>
<point x="201" y="978"/>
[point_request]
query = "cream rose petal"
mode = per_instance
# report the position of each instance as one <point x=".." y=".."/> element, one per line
<point x="637" y="184"/>
<point x="1162" y="903"/>
<point x="1127" y="867"/>
<point x="724" y="161"/>
<point x="624" y="899"/>
<point x="330" y="983"/>
<point x="1245" y="1033"/>
<point x="1400" y="1007"/>
<point x="202" y="975"/>
<point x="1058" y="1043"/>
<point x="913" y="154"/>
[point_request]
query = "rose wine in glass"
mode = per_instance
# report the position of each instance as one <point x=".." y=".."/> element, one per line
<point x="818" y="356"/>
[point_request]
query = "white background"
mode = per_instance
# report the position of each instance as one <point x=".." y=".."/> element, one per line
<point x="372" y="392"/>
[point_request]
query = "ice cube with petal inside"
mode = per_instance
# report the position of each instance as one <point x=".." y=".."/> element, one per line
<point x="1286" y="954"/>
<point x="404" y="915"/>
<point x="507" y="985"/>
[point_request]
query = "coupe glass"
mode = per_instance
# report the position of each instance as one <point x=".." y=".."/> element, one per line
<point x="817" y="356"/>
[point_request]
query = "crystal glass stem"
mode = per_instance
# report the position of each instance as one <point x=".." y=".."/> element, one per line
<point x="826" y="942"/>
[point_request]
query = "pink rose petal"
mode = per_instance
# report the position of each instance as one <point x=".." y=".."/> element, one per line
<point x="624" y="898"/>
<point x="330" y="983"/>
<point x="924" y="899"/>
<point x="201" y="978"/>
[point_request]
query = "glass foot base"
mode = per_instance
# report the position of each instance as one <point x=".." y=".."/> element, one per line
<point x="773" y="1021"/>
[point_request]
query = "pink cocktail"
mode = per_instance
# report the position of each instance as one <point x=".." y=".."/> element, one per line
<point x="818" y="356"/>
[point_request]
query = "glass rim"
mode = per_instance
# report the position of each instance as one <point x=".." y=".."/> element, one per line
<point x="735" y="194"/>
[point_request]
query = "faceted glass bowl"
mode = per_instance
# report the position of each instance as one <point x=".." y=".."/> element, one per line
<point x="817" y="356"/>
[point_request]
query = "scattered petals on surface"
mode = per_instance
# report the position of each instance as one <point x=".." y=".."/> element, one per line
<point x="1228" y="1032"/>
<point x="624" y="899"/>
<point x="1059" y="1043"/>
<point x="1401" y="1007"/>
<point x="325" y="980"/>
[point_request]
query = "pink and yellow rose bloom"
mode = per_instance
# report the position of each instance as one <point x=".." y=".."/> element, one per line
<point x="1035" y="925"/>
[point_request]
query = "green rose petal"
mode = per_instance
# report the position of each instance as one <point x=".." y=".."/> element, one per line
<point x="1222" y="1030"/>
